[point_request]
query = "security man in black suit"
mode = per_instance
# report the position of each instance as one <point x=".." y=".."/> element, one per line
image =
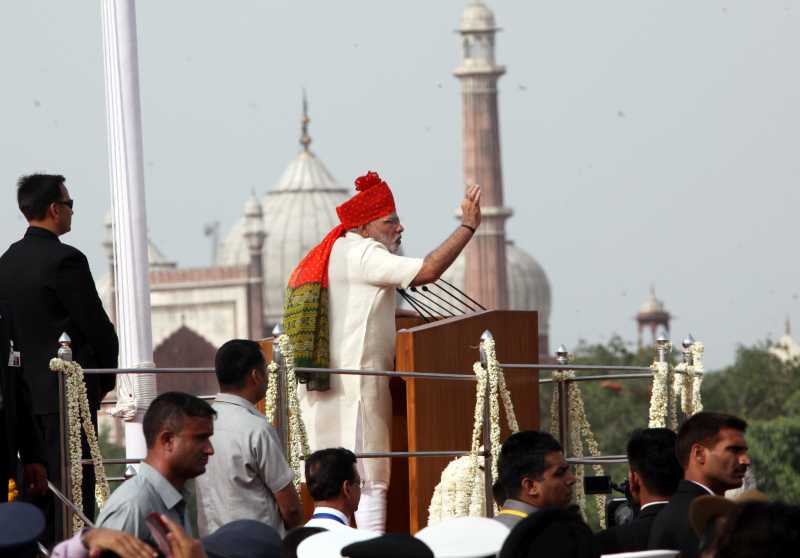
<point x="51" y="290"/>
<point x="712" y="451"/>
<point x="19" y="437"/>
<point x="653" y="477"/>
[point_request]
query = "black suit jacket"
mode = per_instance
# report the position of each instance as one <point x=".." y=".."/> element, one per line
<point x="671" y="529"/>
<point x="21" y="435"/>
<point x="630" y="537"/>
<point x="51" y="290"/>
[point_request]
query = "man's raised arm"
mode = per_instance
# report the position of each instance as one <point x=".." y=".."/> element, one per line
<point x="443" y="257"/>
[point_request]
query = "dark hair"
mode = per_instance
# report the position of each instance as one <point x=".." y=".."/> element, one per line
<point x="553" y="533"/>
<point x="758" y="529"/>
<point x="294" y="537"/>
<point x="35" y="193"/>
<point x="523" y="455"/>
<point x="235" y="359"/>
<point x="326" y="471"/>
<point x="168" y="411"/>
<point x="651" y="454"/>
<point x="499" y="493"/>
<point x="703" y="428"/>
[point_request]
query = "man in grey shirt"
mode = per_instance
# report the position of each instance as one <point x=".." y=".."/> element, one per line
<point x="534" y="475"/>
<point x="249" y="477"/>
<point x="177" y="429"/>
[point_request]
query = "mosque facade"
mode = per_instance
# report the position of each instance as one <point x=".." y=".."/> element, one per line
<point x="195" y="310"/>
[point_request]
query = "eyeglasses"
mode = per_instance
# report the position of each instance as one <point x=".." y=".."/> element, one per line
<point x="68" y="203"/>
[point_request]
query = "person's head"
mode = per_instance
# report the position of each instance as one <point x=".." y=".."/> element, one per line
<point x="654" y="469"/>
<point x="532" y="469"/>
<point x="499" y="493"/>
<point x="177" y="429"/>
<point x="332" y="477"/>
<point x="760" y="529"/>
<point x="387" y="230"/>
<point x="712" y="450"/>
<point x="552" y="533"/>
<point x="44" y="201"/>
<point x="241" y="368"/>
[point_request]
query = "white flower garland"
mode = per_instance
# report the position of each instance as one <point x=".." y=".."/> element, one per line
<point x="580" y="431"/>
<point x="298" y="439"/>
<point x="271" y="396"/>
<point x="697" y="365"/>
<point x="77" y="409"/>
<point x="659" y="396"/>
<point x="461" y="489"/>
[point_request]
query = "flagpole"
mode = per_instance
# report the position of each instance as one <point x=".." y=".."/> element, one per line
<point x="126" y="173"/>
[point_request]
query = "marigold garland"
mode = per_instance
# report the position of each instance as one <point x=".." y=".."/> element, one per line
<point x="298" y="439"/>
<point x="13" y="493"/>
<point x="78" y="413"/>
<point x="461" y="491"/>
<point x="580" y="431"/>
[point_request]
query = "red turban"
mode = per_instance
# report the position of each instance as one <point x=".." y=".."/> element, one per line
<point x="305" y="313"/>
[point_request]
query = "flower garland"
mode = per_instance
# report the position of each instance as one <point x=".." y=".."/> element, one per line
<point x="298" y="439"/>
<point x="271" y="396"/>
<point x="697" y="365"/>
<point x="13" y="493"/>
<point x="461" y="489"/>
<point x="77" y="409"/>
<point x="659" y="398"/>
<point x="580" y="431"/>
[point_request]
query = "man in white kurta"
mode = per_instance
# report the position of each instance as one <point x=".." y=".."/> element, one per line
<point x="357" y="410"/>
<point x="358" y="269"/>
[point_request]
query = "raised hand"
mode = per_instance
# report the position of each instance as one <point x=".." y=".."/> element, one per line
<point x="471" y="207"/>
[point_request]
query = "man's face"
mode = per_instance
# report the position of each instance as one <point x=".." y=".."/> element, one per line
<point x="386" y="230"/>
<point x="353" y="492"/>
<point x="191" y="447"/>
<point x="554" y="488"/>
<point x="63" y="212"/>
<point x="725" y="464"/>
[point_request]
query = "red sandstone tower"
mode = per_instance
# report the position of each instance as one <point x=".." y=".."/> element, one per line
<point x="485" y="273"/>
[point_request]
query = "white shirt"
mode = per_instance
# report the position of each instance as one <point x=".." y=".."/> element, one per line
<point x="704" y="487"/>
<point x="246" y="470"/>
<point x="326" y="522"/>
<point x="356" y="413"/>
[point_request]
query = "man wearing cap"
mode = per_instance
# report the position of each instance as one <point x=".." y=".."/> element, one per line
<point x="653" y="477"/>
<point x="712" y="451"/>
<point x="340" y="313"/>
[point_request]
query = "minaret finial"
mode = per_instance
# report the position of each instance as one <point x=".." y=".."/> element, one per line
<point x="305" y="139"/>
<point x="788" y="326"/>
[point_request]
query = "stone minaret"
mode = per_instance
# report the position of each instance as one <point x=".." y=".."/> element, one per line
<point x="485" y="272"/>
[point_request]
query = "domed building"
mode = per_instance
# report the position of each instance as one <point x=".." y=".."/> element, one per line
<point x="298" y="212"/>
<point x="652" y="315"/>
<point x="528" y="287"/>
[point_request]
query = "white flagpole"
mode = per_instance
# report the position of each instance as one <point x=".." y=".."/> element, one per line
<point x="126" y="172"/>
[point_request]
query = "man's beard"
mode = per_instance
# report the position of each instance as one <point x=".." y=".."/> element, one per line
<point x="391" y="242"/>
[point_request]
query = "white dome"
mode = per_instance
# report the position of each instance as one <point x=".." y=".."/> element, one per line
<point x="652" y="305"/>
<point x="528" y="286"/>
<point x="477" y="17"/>
<point x="298" y="212"/>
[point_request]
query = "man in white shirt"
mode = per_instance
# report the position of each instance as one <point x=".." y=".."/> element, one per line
<point x="335" y="486"/>
<point x="340" y="313"/>
<point x="248" y="477"/>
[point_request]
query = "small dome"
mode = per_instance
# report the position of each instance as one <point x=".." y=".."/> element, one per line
<point x="298" y="212"/>
<point x="652" y="305"/>
<point x="252" y="207"/>
<point x="528" y="286"/>
<point x="477" y="17"/>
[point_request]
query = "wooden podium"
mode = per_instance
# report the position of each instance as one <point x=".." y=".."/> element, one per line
<point x="430" y="415"/>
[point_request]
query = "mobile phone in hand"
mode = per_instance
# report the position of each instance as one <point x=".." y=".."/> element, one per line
<point x="158" y="530"/>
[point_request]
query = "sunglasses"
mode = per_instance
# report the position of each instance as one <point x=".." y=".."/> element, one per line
<point x="68" y="203"/>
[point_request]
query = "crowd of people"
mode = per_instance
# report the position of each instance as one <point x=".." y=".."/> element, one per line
<point x="340" y="313"/>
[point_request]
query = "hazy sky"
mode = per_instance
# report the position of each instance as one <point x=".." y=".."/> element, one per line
<point x="643" y="142"/>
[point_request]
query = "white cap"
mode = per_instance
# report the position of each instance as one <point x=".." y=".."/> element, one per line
<point x="330" y="543"/>
<point x="465" y="537"/>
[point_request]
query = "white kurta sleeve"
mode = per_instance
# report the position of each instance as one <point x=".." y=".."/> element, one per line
<point x="381" y="268"/>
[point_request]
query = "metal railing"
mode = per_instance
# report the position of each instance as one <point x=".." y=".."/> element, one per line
<point x="633" y="372"/>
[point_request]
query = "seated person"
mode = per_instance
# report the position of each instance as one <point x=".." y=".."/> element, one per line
<point x="177" y="429"/>
<point x="653" y="477"/>
<point x="534" y="475"/>
<point x="335" y="486"/>
<point x="551" y="533"/>
<point x="249" y="477"/>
